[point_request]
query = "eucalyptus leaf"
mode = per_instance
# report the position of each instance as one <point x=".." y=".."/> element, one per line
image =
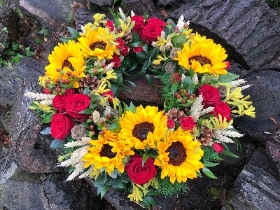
<point x="56" y="144"/>
<point x="46" y="131"/>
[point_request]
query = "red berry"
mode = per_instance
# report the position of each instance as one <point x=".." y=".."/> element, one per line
<point x="91" y="127"/>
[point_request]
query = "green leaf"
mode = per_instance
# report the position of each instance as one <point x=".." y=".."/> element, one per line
<point x="174" y="87"/>
<point x="101" y="180"/>
<point x="225" y="78"/>
<point x="56" y="144"/>
<point x="47" y="118"/>
<point x="44" y="31"/>
<point x="86" y="111"/>
<point x="131" y="83"/>
<point x="115" y="126"/>
<point x="149" y="79"/>
<point x="179" y="41"/>
<point x="102" y="190"/>
<point x="210" y="164"/>
<point x="15" y="46"/>
<point x="142" y="55"/>
<point x="131" y="108"/>
<point x="150" y="200"/>
<point x="73" y="32"/>
<point x="228" y="153"/>
<point x="146" y="204"/>
<point x="28" y="52"/>
<point x="16" y="59"/>
<point x="145" y="158"/>
<point x="187" y="82"/>
<point x="136" y="44"/>
<point x="145" y="48"/>
<point x="46" y="131"/>
<point x="209" y="173"/>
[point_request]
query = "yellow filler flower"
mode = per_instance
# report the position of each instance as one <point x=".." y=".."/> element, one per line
<point x="179" y="156"/>
<point x="203" y="56"/>
<point x="144" y="128"/>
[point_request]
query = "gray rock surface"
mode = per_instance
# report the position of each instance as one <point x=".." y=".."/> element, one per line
<point x="31" y="150"/>
<point x="257" y="186"/>
<point x="102" y="2"/>
<point x="49" y="17"/>
<point x="8" y="26"/>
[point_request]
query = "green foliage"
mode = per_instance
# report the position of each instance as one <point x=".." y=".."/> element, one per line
<point x="272" y="3"/>
<point x="12" y="52"/>
<point x="166" y="188"/>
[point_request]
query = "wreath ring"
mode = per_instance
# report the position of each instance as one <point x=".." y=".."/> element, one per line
<point x="142" y="150"/>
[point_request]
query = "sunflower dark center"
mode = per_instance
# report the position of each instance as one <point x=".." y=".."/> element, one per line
<point x="107" y="151"/>
<point x="201" y="59"/>
<point x="177" y="153"/>
<point x="101" y="45"/>
<point x="141" y="130"/>
<point x="66" y="63"/>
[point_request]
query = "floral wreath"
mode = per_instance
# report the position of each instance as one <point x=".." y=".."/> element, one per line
<point x="143" y="151"/>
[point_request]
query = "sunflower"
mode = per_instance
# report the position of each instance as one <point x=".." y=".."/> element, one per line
<point x="66" y="64"/>
<point x="203" y="56"/>
<point x="98" y="43"/>
<point x="179" y="156"/>
<point x="144" y="128"/>
<point x="107" y="152"/>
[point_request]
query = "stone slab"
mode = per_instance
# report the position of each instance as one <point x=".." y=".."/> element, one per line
<point x="257" y="186"/>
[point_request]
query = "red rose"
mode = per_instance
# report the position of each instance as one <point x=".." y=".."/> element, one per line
<point x="138" y="49"/>
<point x="61" y="126"/>
<point x="77" y="103"/>
<point x="170" y="124"/>
<point x="124" y="50"/>
<point x="223" y="109"/>
<point x="110" y="25"/>
<point x="157" y="22"/>
<point x="116" y="60"/>
<point x="139" y="23"/>
<point x="210" y="95"/>
<point x="110" y="94"/>
<point x="150" y="33"/>
<point x="187" y="123"/>
<point x="59" y="101"/>
<point x="140" y="174"/>
<point x="219" y="148"/>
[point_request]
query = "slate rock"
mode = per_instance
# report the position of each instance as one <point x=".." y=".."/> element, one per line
<point x="8" y="26"/>
<point x="273" y="150"/>
<point x="47" y="191"/>
<point x="31" y="150"/>
<point x="45" y="13"/>
<point x="102" y="2"/>
<point x="250" y="27"/>
<point x="264" y="93"/>
<point x="257" y="186"/>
